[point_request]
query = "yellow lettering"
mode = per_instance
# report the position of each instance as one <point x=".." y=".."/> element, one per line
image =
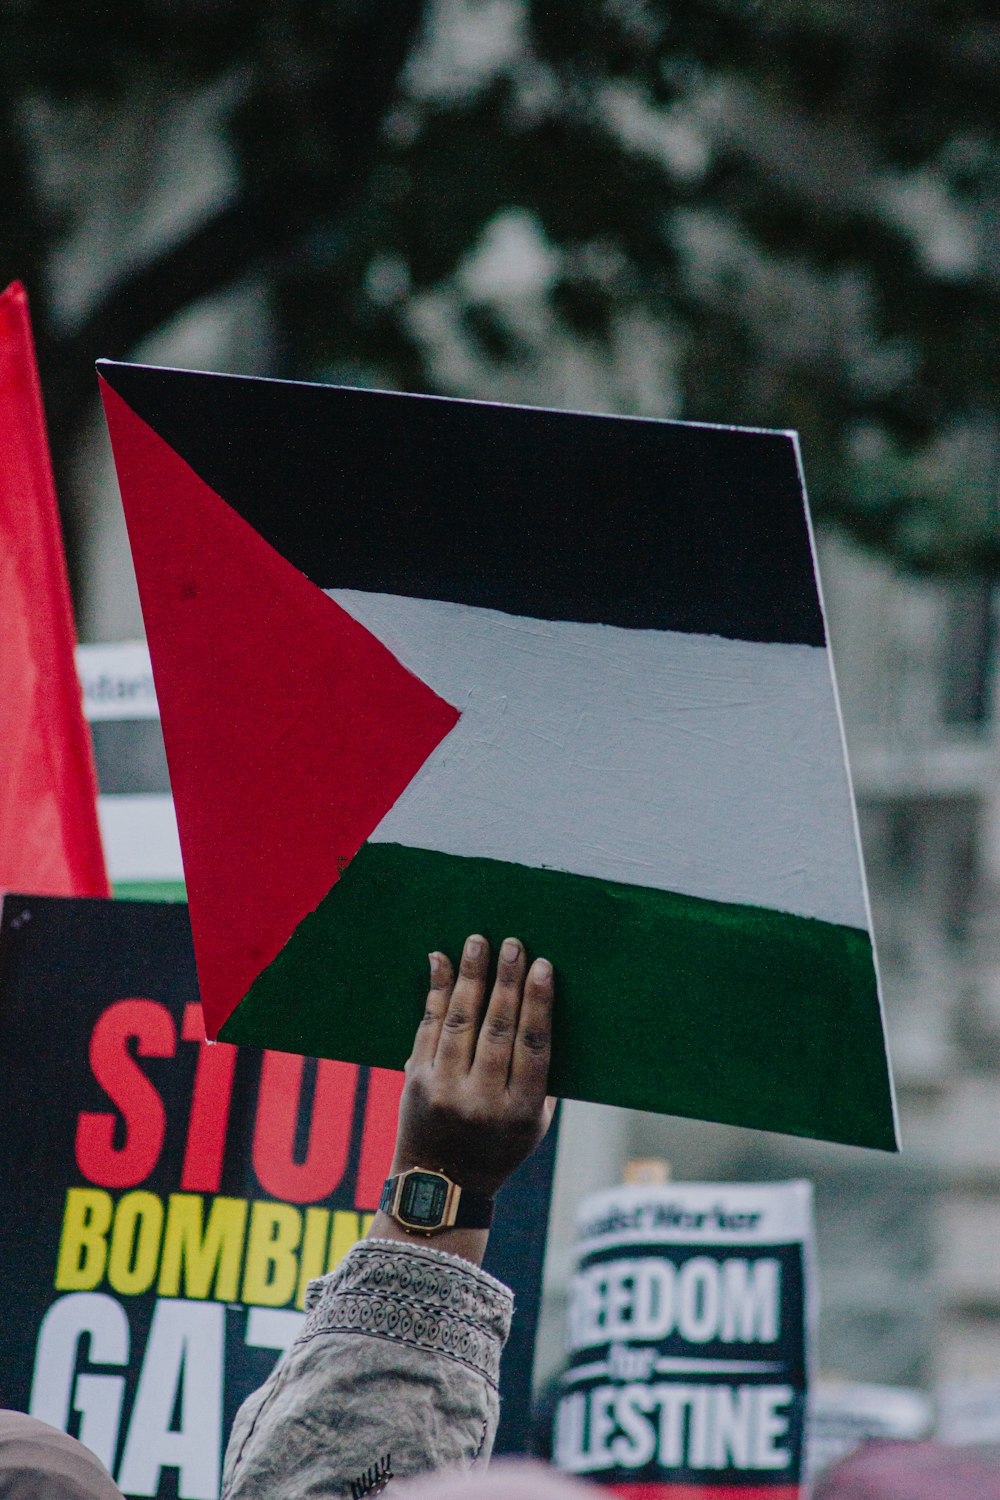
<point x="271" y="1270"/>
<point x="345" y="1234"/>
<point x="196" y="1253"/>
<point x="312" y="1261"/>
<point x="83" y="1247"/>
<point x="135" y="1243"/>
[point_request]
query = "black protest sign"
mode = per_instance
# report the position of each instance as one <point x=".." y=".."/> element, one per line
<point x="165" y="1202"/>
<point x="687" y="1342"/>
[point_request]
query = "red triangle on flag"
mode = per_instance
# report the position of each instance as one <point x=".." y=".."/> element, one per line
<point x="290" y="729"/>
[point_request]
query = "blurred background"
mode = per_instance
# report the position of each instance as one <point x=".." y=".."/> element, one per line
<point x="766" y="212"/>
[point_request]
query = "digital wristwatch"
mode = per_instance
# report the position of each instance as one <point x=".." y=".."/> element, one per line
<point x="426" y="1202"/>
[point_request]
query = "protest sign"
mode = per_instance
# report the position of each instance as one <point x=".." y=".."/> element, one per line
<point x="163" y="1203"/>
<point x="688" y="1333"/>
<point x="135" y="808"/>
<point x="427" y="667"/>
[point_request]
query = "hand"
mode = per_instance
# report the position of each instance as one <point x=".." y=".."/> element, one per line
<point x="474" y="1103"/>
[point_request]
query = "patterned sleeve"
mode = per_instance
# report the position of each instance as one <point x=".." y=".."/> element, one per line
<point x="395" y="1372"/>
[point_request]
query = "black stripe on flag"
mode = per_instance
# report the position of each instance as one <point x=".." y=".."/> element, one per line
<point x="557" y="515"/>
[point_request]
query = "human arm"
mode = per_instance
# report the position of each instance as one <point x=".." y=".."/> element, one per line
<point x="400" y="1351"/>
<point x="474" y="1104"/>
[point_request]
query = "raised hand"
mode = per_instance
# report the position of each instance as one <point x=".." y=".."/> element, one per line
<point x="474" y="1103"/>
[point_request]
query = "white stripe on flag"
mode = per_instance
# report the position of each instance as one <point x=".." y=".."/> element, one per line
<point x="681" y="762"/>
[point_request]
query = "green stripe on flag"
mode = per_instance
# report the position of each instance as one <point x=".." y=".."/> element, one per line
<point x="149" y="890"/>
<point x="734" y="1013"/>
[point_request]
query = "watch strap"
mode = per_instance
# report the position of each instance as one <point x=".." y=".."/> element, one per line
<point x="472" y="1211"/>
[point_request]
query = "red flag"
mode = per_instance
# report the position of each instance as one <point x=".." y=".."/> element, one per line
<point x="50" y="843"/>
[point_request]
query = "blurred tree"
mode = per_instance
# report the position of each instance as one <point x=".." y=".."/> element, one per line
<point x="775" y="212"/>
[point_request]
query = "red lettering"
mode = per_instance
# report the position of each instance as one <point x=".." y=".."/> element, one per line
<point x="379" y="1136"/>
<point x="210" y="1102"/>
<point x="329" y="1138"/>
<point x="150" y="1025"/>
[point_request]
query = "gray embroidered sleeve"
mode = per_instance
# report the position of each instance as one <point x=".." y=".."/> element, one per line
<point x="398" y="1360"/>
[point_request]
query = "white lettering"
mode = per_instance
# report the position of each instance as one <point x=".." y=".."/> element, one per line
<point x="696" y="1426"/>
<point x="585" y="1308"/>
<point x="55" y="1395"/>
<point x="751" y="1297"/>
<point x="731" y="1428"/>
<point x="636" y="1443"/>
<point x="627" y="1363"/>
<point x="769" y="1427"/>
<point x="654" y="1282"/>
<point x="602" y="1426"/>
<point x="698" y="1299"/>
<point x="184" y="1356"/>
<point x="571" y="1417"/>
<point x="273" y="1328"/>
<point x="673" y="1401"/>
<point x="735" y="1300"/>
<point x="620" y="1300"/>
<point x="701" y="1397"/>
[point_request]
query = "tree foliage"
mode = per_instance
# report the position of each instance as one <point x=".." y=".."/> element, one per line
<point x="774" y="212"/>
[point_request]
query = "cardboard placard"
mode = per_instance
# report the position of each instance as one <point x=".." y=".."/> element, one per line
<point x="135" y="808"/>
<point x="688" y="1342"/>
<point x="427" y="667"/>
<point x="163" y="1203"/>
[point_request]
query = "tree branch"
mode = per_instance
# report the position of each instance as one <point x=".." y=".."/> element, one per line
<point x="274" y="211"/>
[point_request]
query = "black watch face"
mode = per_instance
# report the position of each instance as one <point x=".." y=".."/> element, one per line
<point x="423" y="1200"/>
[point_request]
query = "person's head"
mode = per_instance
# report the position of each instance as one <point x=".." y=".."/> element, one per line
<point x="38" y="1462"/>
<point x="507" y="1479"/>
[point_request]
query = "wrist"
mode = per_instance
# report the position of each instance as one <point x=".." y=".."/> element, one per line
<point x="468" y="1244"/>
<point x="425" y="1200"/>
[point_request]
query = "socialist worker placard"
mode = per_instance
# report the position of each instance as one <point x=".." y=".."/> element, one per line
<point x="688" y="1337"/>
<point x="163" y="1202"/>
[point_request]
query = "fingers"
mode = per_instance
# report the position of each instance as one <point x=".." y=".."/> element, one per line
<point x="510" y="1044"/>
<point x="442" y="981"/>
<point x="529" y="1069"/>
<point x="456" y="1043"/>
<point x="496" y="1037"/>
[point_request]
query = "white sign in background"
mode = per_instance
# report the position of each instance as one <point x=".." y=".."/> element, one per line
<point x="138" y="829"/>
<point x="689" y="1327"/>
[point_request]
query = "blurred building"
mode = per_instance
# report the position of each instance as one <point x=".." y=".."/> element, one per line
<point x="908" y="1246"/>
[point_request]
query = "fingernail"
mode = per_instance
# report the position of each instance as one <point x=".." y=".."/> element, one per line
<point x="473" y="947"/>
<point x="541" y="968"/>
<point x="434" y="959"/>
<point x="511" y="948"/>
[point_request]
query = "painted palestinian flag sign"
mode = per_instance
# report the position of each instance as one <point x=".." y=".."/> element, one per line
<point x="428" y="667"/>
